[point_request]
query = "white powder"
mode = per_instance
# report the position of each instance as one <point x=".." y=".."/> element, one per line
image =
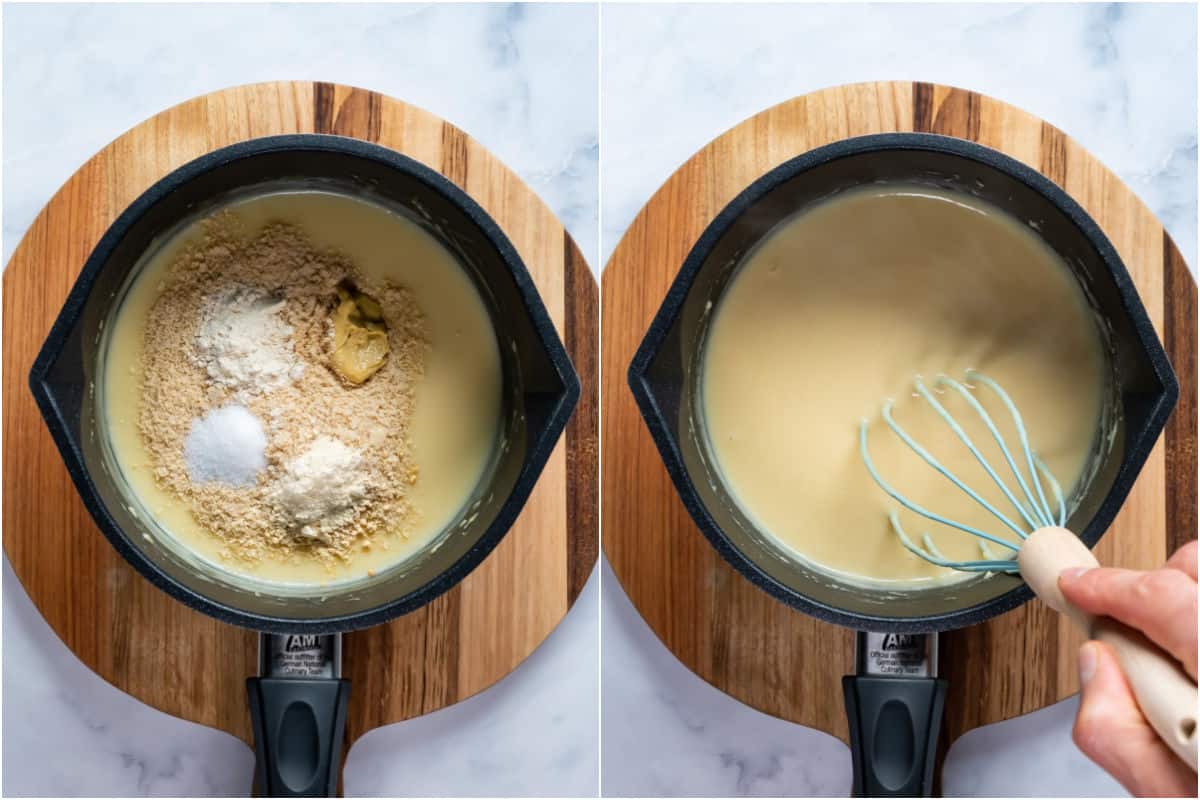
<point x="227" y="445"/>
<point x="322" y="487"/>
<point x="244" y="345"/>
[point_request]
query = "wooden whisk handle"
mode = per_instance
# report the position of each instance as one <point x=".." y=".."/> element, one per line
<point x="1165" y="693"/>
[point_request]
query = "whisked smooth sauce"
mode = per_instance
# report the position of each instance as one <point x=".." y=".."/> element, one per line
<point x="837" y="311"/>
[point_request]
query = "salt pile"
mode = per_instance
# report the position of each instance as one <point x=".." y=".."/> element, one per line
<point x="226" y="445"/>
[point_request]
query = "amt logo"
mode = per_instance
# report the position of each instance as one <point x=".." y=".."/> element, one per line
<point x="298" y="643"/>
<point x="900" y="641"/>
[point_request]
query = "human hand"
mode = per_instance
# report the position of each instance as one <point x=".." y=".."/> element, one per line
<point x="1109" y="727"/>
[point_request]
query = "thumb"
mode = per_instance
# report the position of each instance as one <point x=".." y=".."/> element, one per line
<point x="1111" y="731"/>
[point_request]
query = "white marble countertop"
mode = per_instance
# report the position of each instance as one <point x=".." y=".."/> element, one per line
<point x="1121" y="80"/>
<point x="1100" y="73"/>
<point x="520" y="79"/>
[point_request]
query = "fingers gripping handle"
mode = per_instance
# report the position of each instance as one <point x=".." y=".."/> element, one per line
<point x="1165" y="693"/>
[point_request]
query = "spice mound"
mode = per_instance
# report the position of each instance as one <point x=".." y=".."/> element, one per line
<point x="277" y="393"/>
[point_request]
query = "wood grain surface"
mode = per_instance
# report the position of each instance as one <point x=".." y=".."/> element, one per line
<point x="180" y="661"/>
<point x="734" y="635"/>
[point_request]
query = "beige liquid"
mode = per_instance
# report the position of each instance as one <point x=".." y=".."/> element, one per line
<point x="456" y="421"/>
<point x="837" y="311"/>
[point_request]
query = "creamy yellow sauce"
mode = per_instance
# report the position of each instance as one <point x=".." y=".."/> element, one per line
<point x="456" y="420"/>
<point x="837" y="311"/>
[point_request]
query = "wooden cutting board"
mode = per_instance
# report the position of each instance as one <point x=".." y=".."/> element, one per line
<point x="177" y="660"/>
<point x="734" y="635"/>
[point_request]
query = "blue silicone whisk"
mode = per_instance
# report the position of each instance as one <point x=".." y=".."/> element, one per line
<point x="1032" y="508"/>
<point x="1043" y="548"/>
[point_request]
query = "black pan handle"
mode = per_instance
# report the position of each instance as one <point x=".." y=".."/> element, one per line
<point x="298" y="730"/>
<point x="894" y="727"/>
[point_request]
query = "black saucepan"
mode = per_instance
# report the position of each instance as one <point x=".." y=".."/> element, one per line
<point x="298" y="702"/>
<point x="894" y="703"/>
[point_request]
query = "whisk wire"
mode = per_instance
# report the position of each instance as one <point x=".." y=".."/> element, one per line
<point x="910" y="505"/>
<point x="1035" y="512"/>
<point x="1056" y="487"/>
<point x="933" y="462"/>
<point x="1021" y="434"/>
<point x="935" y="556"/>
<point x="1038" y="517"/>
<point x="1030" y="519"/>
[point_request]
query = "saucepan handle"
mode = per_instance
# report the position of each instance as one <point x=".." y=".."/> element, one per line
<point x="894" y="726"/>
<point x="299" y="724"/>
<point x="1164" y="692"/>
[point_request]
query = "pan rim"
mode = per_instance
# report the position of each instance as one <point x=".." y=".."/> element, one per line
<point x="537" y="455"/>
<point x="1136" y="453"/>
